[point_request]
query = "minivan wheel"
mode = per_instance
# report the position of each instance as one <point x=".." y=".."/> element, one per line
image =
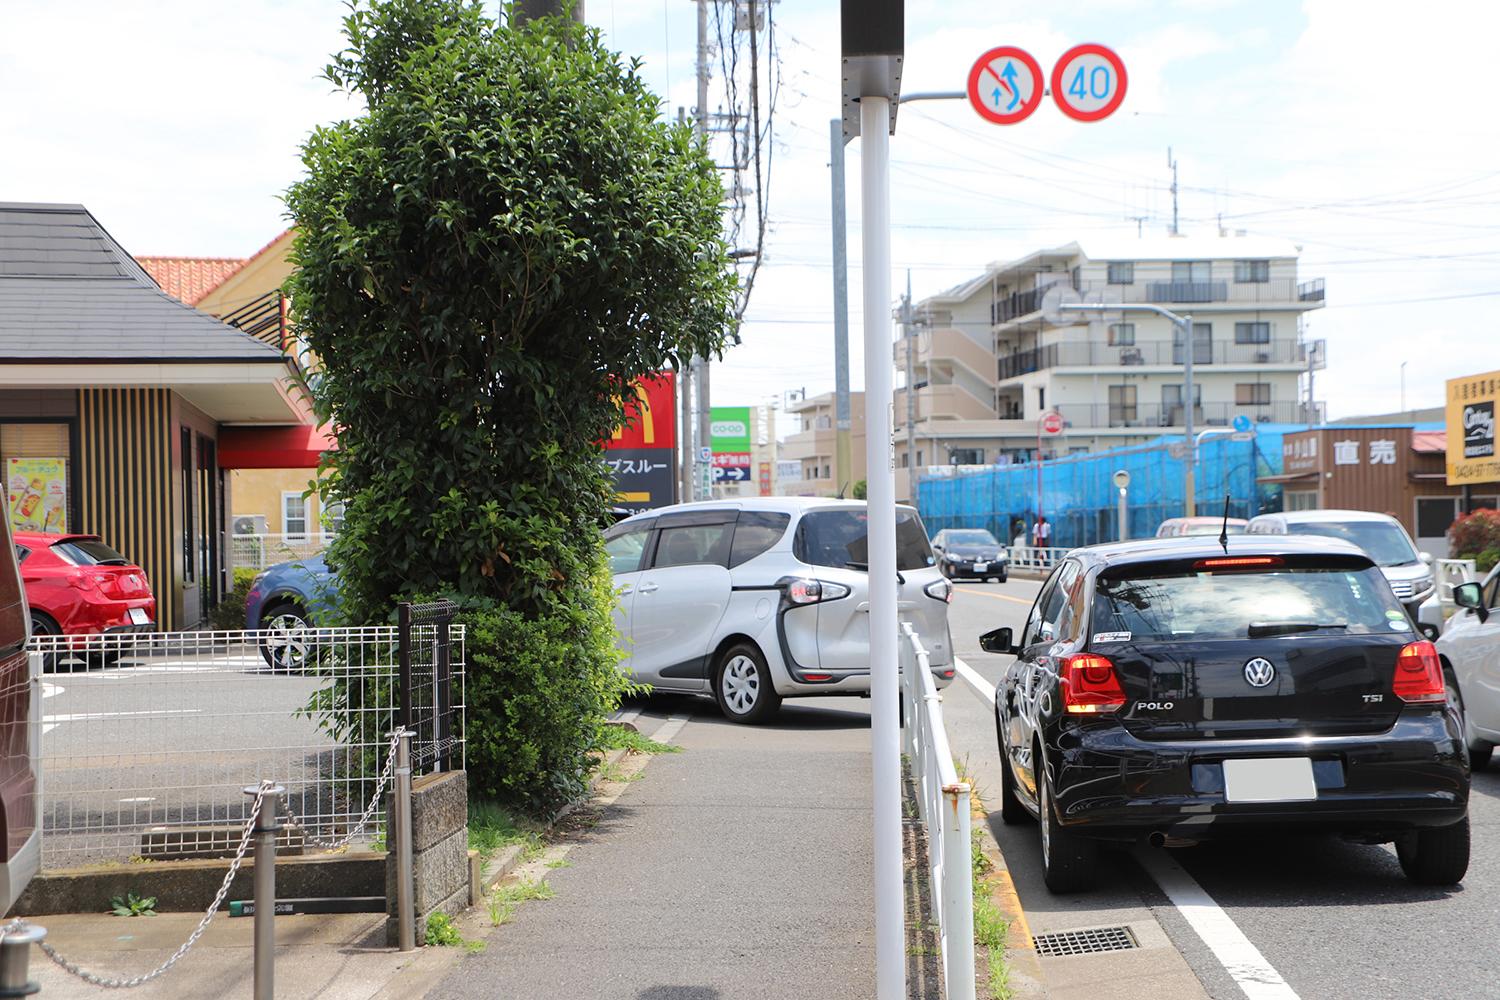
<point x="742" y="685"/>
<point x="1436" y="856"/>
<point x="289" y="645"/>
<point x="1479" y="751"/>
<point x="1069" y="862"/>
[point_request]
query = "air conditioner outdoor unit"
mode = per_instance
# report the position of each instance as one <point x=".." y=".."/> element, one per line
<point x="249" y="524"/>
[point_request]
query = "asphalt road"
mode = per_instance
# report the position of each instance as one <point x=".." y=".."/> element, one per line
<point x="1334" y="920"/>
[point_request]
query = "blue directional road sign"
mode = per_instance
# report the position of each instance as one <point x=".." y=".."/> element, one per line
<point x="1242" y="423"/>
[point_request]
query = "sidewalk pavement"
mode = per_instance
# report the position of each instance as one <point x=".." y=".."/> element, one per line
<point x="738" y="868"/>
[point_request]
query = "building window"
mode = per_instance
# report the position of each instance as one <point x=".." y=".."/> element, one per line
<point x="1252" y="333"/>
<point x="1122" y="411"/>
<point x="1252" y="271"/>
<point x="1041" y="398"/>
<point x="37" y="474"/>
<point x="1301" y="500"/>
<point x="333" y="517"/>
<point x="1252" y="394"/>
<point x="294" y="516"/>
<point x="1122" y="272"/>
<point x="1186" y="272"/>
<point x="827" y="472"/>
<point x="1171" y="404"/>
<point x="1122" y="334"/>
<point x="1203" y="344"/>
<point x="1077" y="276"/>
<point x="966" y="456"/>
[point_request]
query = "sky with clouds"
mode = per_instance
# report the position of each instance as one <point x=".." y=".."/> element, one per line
<point x="1358" y="129"/>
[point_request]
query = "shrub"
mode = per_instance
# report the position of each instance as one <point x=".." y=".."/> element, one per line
<point x="230" y="614"/>
<point x="1474" y="535"/>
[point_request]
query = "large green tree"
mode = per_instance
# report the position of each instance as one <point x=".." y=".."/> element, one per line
<point x="486" y="258"/>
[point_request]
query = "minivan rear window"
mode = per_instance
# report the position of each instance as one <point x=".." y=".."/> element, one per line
<point x="839" y="538"/>
<point x="755" y="532"/>
<point x="86" y="552"/>
<point x="1187" y="606"/>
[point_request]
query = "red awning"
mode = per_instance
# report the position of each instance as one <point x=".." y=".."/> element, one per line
<point x="1429" y="442"/>
<point x="297" y="447"/>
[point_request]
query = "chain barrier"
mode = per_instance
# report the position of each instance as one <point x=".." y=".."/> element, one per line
<point x="344" y="841"/>
<point x="213" y="908"/>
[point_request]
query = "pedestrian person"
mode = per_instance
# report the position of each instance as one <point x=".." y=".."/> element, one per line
<point x="1041" y="533"/>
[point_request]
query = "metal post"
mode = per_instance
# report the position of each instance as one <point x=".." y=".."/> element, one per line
<point x="267" y="825"/>
<point x="890" y="949"/>
<point x="701" y="436"/>
<point x="403" y="662"/>
<point x="15" y="958"/>
<point x="1190" y="505"/>
<point x="843" y="459"/>
<point x="406" y="917"/>
<point x="958" y="894"/>
<point x="442" y="699"/>
<point x="1124" y="519"/>
<point x="911" y="398"/>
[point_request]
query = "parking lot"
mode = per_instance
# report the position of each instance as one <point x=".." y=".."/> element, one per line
<point x="1281" y="916"/>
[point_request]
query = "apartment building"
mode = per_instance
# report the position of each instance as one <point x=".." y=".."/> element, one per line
<point x="814" y="445"/>
<point x="987" y="364"/>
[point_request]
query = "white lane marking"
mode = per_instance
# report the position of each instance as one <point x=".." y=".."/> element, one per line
<point x="670" y="728"/>
<point x="140" y="798"/>
<point x="89" y="716"/>
<point x="1240" y="958"/>
<point x="49" y="689"/>
<point x="971" y="676"/>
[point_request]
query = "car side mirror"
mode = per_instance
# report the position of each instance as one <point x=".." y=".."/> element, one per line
<point x="998" y="641"/>
<point x="1468" y="595"/>
<point x="1426" y="557"/>
<point x="1429" y="631"/>
<point x="936" y="547"/>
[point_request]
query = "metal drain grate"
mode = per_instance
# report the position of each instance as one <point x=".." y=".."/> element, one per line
<point x="1085" y="942"/>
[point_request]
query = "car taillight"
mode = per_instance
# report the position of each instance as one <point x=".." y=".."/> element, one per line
<point x="803" y="591"/>
<point x="1237" y="562"/>
<point x="1090" y="685"/>
<point x="1419" y="674"/>
<point x="939" y="590"/>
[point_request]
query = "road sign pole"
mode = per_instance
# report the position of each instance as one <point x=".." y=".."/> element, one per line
<point x="843" y="462"/>
<point x="890" y="930"/>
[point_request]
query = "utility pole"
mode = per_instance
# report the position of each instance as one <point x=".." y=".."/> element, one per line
<point x="843" y="460"/>
<point x="1173" y="164"/>
<point x="526" y="10"/>
<point x="701" y="433"/>
<point x="911" y="399"/>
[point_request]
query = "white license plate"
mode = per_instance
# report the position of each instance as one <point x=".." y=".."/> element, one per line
<point x="1269" y="779"/>
<point x="138" y="616"/>
<point x="981" y="567"/>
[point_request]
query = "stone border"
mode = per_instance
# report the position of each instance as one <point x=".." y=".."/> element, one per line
<point x="1026" y="980"/>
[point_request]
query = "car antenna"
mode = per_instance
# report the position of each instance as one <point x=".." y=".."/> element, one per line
<point x="840" y="494"/>
<point x="1224" y="531"/>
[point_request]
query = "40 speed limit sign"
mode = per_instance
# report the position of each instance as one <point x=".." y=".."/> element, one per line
<point x="1088" y="82"/>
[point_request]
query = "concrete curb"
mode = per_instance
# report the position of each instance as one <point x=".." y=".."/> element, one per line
<point x="1026" y="979"/>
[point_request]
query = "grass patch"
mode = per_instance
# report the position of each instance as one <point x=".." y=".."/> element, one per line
<point x="443" y="933"/>
<point x="492" y="828"/>
<point x="133" y="905"/>
<point x="621" y="738"/>
<point x="501" y="904"/>
<point x="990" y="926"/>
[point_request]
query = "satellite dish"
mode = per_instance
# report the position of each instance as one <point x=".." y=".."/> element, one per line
<point x="1055" y="302"/>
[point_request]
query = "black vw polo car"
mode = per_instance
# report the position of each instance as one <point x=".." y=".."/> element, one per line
<point x="1173" y="690"/>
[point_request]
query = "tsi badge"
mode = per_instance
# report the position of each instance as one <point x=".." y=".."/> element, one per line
<point x="1259" y="672"/>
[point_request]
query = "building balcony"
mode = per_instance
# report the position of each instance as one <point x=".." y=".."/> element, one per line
<point x="939" y="347"/>
<point x="1220" y="296"/>
<point x="943" y="402"/>
<point x="1166" y="353"/>
<point x="807" y="445"/>
<point x="1155" y="416"/>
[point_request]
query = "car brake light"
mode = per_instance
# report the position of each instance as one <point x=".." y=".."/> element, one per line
<point x="1419" y="675"/>
<point x="1090" y="685"/>
<point x="803" y="591"/>
<point x="1237" y="562"/>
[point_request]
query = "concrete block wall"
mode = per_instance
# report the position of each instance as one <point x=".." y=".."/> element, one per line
<point x="440" y="851"/>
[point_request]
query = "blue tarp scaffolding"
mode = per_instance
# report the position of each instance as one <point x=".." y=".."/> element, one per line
<point x="1079" y="498"/>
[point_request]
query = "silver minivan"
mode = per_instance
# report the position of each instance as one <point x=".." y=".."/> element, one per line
<point x="757" y="599"/>
<point x="1380" y="535"/>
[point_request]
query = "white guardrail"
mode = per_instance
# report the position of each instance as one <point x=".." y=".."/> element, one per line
<point x="943" y="806"/>
<point x="1451" y="573"/>
<point x="1032" y="558"/>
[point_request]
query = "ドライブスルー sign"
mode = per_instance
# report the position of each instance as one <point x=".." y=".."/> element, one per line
<point x="641" y="454"/>
<point x="1471" y="412"/>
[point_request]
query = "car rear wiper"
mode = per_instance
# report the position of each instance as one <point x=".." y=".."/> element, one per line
<point x="1259" y="630"/>
<point x="864" y="567"/>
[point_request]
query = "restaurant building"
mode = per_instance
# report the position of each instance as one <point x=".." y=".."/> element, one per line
<point x="116" y="401"/>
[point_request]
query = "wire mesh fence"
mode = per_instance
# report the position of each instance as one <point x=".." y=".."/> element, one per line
<point x="149" y="740"/>
<point x="262" y="550"/>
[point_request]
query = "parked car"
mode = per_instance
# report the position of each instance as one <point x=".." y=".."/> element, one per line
<point x="758" y="599"/>
<point x="78" y="586"/>
<point x="1174" y="527"/>
<point x="284" y="601"/>
<point x="1470" y="648"/>
<point x="20" y="735"/>
<point x="1382" y="536"/>
<point x="1169" y="691"/>
<point x="971" y="552"/>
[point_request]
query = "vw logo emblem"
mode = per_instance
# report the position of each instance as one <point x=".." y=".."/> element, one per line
<point x="1259" y="672"/>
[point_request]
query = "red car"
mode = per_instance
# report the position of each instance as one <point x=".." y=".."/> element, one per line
<point x="77" y="585"/>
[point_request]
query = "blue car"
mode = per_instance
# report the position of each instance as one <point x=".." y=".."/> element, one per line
<point x="285" y="601"/>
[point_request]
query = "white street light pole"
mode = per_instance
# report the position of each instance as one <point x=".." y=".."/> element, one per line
<point x="1184" y="324"/>
<point x="875" y="218"/>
